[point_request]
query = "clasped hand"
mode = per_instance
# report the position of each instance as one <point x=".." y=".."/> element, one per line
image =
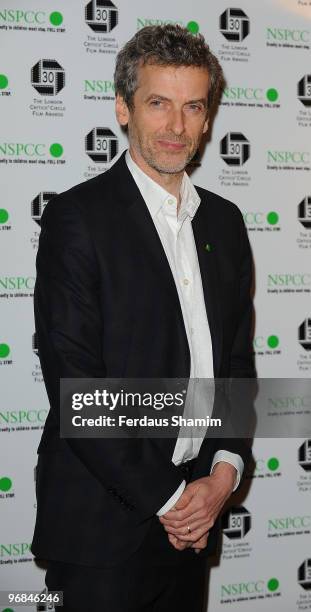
<point x="189" y="521"/>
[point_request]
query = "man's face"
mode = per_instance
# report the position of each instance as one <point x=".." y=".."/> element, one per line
<point x="169" y="116"/>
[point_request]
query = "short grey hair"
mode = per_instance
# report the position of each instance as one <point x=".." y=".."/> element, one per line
<point x="165" y="45"/>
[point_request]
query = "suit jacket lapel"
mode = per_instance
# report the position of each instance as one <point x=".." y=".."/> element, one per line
<point x="207" y="256"/>
<point x="147" y="232"/>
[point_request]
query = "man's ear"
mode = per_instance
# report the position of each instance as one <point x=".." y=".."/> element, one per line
<point x="206" y="122"/>
<point x="122" y="111"/>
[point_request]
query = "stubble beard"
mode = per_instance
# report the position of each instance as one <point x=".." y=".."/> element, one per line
<point x="151" y="158"/>
<point x="165" y="168"/>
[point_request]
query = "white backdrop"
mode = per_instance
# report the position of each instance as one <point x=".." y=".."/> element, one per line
<point x="56" y="89"/>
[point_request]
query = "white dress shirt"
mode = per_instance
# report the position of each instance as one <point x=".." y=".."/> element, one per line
<point x="176" y="235"/>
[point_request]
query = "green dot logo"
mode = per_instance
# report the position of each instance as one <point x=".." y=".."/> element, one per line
<point x="272" y="94"/>
<point x="273" y="342"/>
<point x="56" y="18"/>
<point x="193" y="27"/>
<point x="5" y="484"/>
<point x="273" y="584"/>
<point x="8" y="610"/>
<point x="4" y="351"/>
<point x="4" y="215"/>
<point x="273" y="464"/>
<point x="272" y="218"/>
<point x="4" y="81"/>
<point x="56" y="149"/>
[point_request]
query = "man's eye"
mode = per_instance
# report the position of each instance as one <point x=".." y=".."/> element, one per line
<point x="156" y="102"/>
<point x="195" y="107"/>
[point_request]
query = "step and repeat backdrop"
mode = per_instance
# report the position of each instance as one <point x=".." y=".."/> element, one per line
<point x="58" y="128"/>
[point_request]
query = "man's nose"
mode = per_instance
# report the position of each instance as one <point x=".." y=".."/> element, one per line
<point x="176" y="121"/>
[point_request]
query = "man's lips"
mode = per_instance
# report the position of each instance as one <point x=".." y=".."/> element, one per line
<point x="173" y="146"/>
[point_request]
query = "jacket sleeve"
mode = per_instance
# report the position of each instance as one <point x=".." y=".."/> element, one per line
<point x="241" y="393"/>
<point x="70" y="327"/>
<point x="242" y="353"/>
<point x="236" y="405"/>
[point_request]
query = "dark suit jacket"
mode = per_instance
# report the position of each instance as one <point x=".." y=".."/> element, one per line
<point x="106" y="305"/>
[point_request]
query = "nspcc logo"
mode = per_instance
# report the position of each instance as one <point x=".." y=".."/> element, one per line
<point x="304" y="334"/>
<point x="48" y="77"/>
<point x="304" y="575"/>
<point x="304" y="212"/>
<point x="234" y="24"/>
<point x="234" y="149"/>
<point x="249" y="96"/>
<point x="33" y="152"/>
<point x="33" y="19"/>
<point x="39" y="203"/>
<point x="22" y="417"/>
<point x="101" y="15"/>
<point x="101" y="145"/>
<point x="249" y="590"/>
<point x="304" y="455"/>
<point x="304" y="90"/>
<point x="236" y="523"/>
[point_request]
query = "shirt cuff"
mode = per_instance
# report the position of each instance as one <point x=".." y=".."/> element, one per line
<point x="234" y="459"/>
<point x="172" y="500"/>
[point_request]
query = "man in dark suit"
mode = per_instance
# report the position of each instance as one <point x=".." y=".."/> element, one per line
<point x="141" y="275"/>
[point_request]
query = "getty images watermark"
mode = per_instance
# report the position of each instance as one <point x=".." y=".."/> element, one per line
<point x="136" y="407"/>
<point x="113" y="401"/>
<point x="159" y="408"/>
